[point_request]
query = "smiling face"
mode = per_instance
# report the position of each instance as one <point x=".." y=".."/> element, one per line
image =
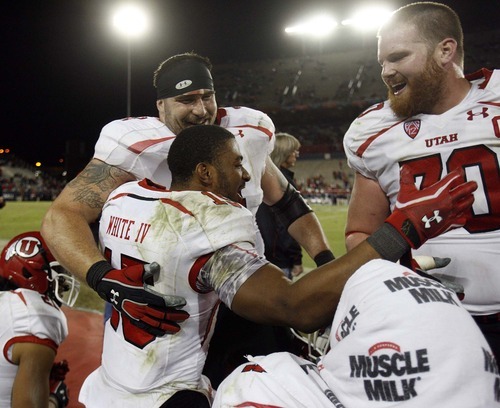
<point x="230" y="176"/>
<point x="414" y="79"/>
<point x="193" y="108"/>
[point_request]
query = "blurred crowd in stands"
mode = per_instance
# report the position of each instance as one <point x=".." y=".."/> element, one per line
<point x="22" y="182"/>
<point x="326" y="80"/>
<point x="318" y="190"/>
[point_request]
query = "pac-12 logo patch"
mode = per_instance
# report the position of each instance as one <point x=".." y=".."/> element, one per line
<point x="412" y="127"/>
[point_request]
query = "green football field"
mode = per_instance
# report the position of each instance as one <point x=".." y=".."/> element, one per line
<point x="332" y="218"/>
<point x="22" y="216"/>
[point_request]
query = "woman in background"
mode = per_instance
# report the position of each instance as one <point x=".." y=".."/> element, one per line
<point x="280" y="248"/>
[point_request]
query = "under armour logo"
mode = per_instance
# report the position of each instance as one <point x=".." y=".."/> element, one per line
<point x="436" y="218"/>
<point x="114" y="295"/>
<point x="483" y="113"/>
<point x="183" y="84"/>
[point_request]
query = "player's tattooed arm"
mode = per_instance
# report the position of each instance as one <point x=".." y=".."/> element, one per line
<point x="93" y="185"/>
<point x="66" y="225"/>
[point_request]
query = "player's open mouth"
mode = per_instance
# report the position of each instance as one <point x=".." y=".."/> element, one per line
<point x="203" y="122"/>
<point x="398" y="88"/>
<point x="240" y="197"/>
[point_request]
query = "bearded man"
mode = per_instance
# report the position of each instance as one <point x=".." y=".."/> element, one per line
<point x="436" y="120"/>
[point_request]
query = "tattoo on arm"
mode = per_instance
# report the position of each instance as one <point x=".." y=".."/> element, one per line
<point x="95" y="182"/>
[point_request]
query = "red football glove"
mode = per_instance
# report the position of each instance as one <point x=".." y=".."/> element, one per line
<point x="127" y="291"/>
<point x="58" y="389"/>
<point x="423" y="214"/>
<point x="59" y="371"/>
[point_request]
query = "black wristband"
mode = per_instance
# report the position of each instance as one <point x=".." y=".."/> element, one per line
<point x="388" y="242"/>
<point x="96" y="272"/>
<point x="323" y="257"/>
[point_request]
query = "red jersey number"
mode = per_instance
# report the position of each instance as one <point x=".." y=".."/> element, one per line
<point x="480" y="163"/>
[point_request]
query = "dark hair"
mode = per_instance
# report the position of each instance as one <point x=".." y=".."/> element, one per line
<point x="194" y="145"/>
<point x="175" y="59"/>
<point x="435" y="22"/>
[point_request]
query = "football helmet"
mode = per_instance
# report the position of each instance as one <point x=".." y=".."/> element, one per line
<point x="314" y="345"/>
<point x="26" y="262"/>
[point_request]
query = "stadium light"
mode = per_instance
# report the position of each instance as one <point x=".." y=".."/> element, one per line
<point x="131" y="21"/>
<point x="368" y="18"/>
<point x="318" y="27"/>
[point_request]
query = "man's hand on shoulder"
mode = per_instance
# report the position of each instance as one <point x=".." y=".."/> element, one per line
<point x="424" y="214"/>
<point x="420" y="215"/>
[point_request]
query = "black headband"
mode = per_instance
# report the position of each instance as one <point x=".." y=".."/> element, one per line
<point x="185" y="76"/>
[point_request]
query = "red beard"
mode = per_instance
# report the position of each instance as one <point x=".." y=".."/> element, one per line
<point x="422" y="93"/>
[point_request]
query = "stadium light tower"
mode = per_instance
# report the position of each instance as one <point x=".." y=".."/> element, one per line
<point x="368" y="18"/>
<point x="131" y="21"/>
<point x="316" y="28"/>
<point x="320" y="26"/>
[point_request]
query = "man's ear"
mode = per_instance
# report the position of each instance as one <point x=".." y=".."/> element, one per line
<point x="159" y="105"/>
<point x="447" y="50"/>
<point x="205" y="173"/>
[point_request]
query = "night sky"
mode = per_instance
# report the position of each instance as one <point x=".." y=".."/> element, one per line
<point x="63" y="67"/>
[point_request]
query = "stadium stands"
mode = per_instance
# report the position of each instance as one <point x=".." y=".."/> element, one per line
<point x="21" y="182"/>
<point x="315" y="97"/>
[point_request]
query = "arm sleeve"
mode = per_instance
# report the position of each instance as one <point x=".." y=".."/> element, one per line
<point x="230" y="267"/>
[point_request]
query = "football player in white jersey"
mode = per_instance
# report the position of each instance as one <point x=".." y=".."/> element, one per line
<point x="204" y="240"/>
<point x="33" y="326"/>
<point x="397" y="339"/>
<point x="435" y="120"/>
<point x="135" y="148"/>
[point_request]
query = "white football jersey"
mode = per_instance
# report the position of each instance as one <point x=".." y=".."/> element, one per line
<point x="467" y="136"/>
<point x="140" y="146"/>
<point x="27" y="317"/>
<point x="204" y="244"/>
<point x="399" y="339"/>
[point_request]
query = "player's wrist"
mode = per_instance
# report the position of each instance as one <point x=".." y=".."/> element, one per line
<point x="324" y="257"/>
<point x="53" y="403"/>
<point x="96" y="272"/>
<point x="404" y="225"/>
<point x="389" y="242"/>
